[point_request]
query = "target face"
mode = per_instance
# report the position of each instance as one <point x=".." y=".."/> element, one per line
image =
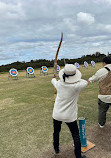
<point x="44" y="69"/>
<point x="13" y="72"/>
<point x="77" y="65"/>
<point x="93" y="63"/>
<point x="58" y="68"/>
<point x="85" y="64"/>
<point x="30" y="70"/>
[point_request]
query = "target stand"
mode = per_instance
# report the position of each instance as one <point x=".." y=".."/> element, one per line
<point x="44" y="70"/>
<point x="58" y="69"/>
<point x="77" y="65"/>
<point x="92" y="64"/>
<point x="30" y="72"/>
<point x="85" y="65"/>
<point x="85" y="144"/>
<point x="13" y="74"/>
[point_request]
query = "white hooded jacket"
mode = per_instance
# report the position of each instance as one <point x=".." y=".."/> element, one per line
<point x="65" y="107"/>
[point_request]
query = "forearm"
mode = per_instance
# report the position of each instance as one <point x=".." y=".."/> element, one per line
<point x="81" y="85"/>
<point x="94" y="78"/>
<point x="54" y="81"/>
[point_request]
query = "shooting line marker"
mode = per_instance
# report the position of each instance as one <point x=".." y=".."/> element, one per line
<point x="88" y="147"/>
<point x="85" y="144"/>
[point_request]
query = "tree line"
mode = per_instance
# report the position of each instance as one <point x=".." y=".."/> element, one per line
<point x="97" y="57"/>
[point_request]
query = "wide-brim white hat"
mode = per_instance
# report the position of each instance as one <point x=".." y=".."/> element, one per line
<point x="72" y="71"/>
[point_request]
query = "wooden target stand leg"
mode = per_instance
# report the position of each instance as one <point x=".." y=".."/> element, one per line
<point x="30" y="75"/>
<point x="85" y="144"/>
<point x="44" y="73"/>
<point x="13" y="77"/>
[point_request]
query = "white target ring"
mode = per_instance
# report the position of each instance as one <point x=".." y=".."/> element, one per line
<point x="85" y="64"/>
<point x="92" y="63"/>
<point x="77" y="65"/>
<point x="58" y="68"/>
<point x="13" y="72"/>
<point x="44" y="69"/>
<point x="30" y="70"/>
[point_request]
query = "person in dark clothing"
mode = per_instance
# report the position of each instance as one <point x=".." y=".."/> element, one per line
<point x="103" y="75"/>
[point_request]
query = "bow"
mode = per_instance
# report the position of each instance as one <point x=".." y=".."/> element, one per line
<point x="55" y="61"/>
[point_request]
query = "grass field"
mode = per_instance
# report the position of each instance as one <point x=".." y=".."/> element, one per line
<point x="26" y="113"/>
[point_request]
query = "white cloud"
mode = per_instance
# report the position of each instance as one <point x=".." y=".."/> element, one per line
<point x="108" y="28"/>
<point x="104" y="28"/>
<point x="31" y="29"/>
<point x="109" y="1"/>
<point x="96" y="44"/>
<point x="102" y="1"/>
<point x="85" y="18"/>
<point x="69" y="24"/>
<point x="11" y="11"/>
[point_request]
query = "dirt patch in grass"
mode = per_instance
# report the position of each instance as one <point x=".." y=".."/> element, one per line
<point x="100" y="137"/>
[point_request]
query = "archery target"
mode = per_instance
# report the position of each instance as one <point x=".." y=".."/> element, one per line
<point x="30" y="70"/>
<point x="44" y="69"/>
<point x="85" y="64"/>
<point x="92" y="63"/>
<point x="13" y="72"/>
<point x="77" y="65"/>
<point x="58" y="68"/>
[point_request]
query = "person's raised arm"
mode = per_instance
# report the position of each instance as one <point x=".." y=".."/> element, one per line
<point x="81" y="84"/>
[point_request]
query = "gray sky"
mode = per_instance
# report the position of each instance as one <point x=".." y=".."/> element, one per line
<point x="31" y="29"/>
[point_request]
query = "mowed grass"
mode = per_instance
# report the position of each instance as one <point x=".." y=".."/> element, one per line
<point x="26" y="126"/>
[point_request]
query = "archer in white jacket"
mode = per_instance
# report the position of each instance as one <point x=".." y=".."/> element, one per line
<point x="65" y="108"/>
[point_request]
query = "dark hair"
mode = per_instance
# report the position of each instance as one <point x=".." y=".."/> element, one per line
<point x="107" y="60"/>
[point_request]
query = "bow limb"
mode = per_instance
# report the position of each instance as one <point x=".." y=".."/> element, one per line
<point x="55" y="61"/>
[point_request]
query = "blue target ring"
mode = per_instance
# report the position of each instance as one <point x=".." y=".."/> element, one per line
<point x="30" y="70"/>
<point x="58" y="68"/>
<point x="13" y="72"/>
<point x="93" y="63"/>
<point x="44" y="69"/>
<point x="85" y="64"/>
<point x="77" y="65"/>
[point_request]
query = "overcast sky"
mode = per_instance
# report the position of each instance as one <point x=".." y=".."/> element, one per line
<point x="31" y="29"/>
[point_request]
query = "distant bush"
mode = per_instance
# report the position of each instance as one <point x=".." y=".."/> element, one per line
<point x="97" y="57"/>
